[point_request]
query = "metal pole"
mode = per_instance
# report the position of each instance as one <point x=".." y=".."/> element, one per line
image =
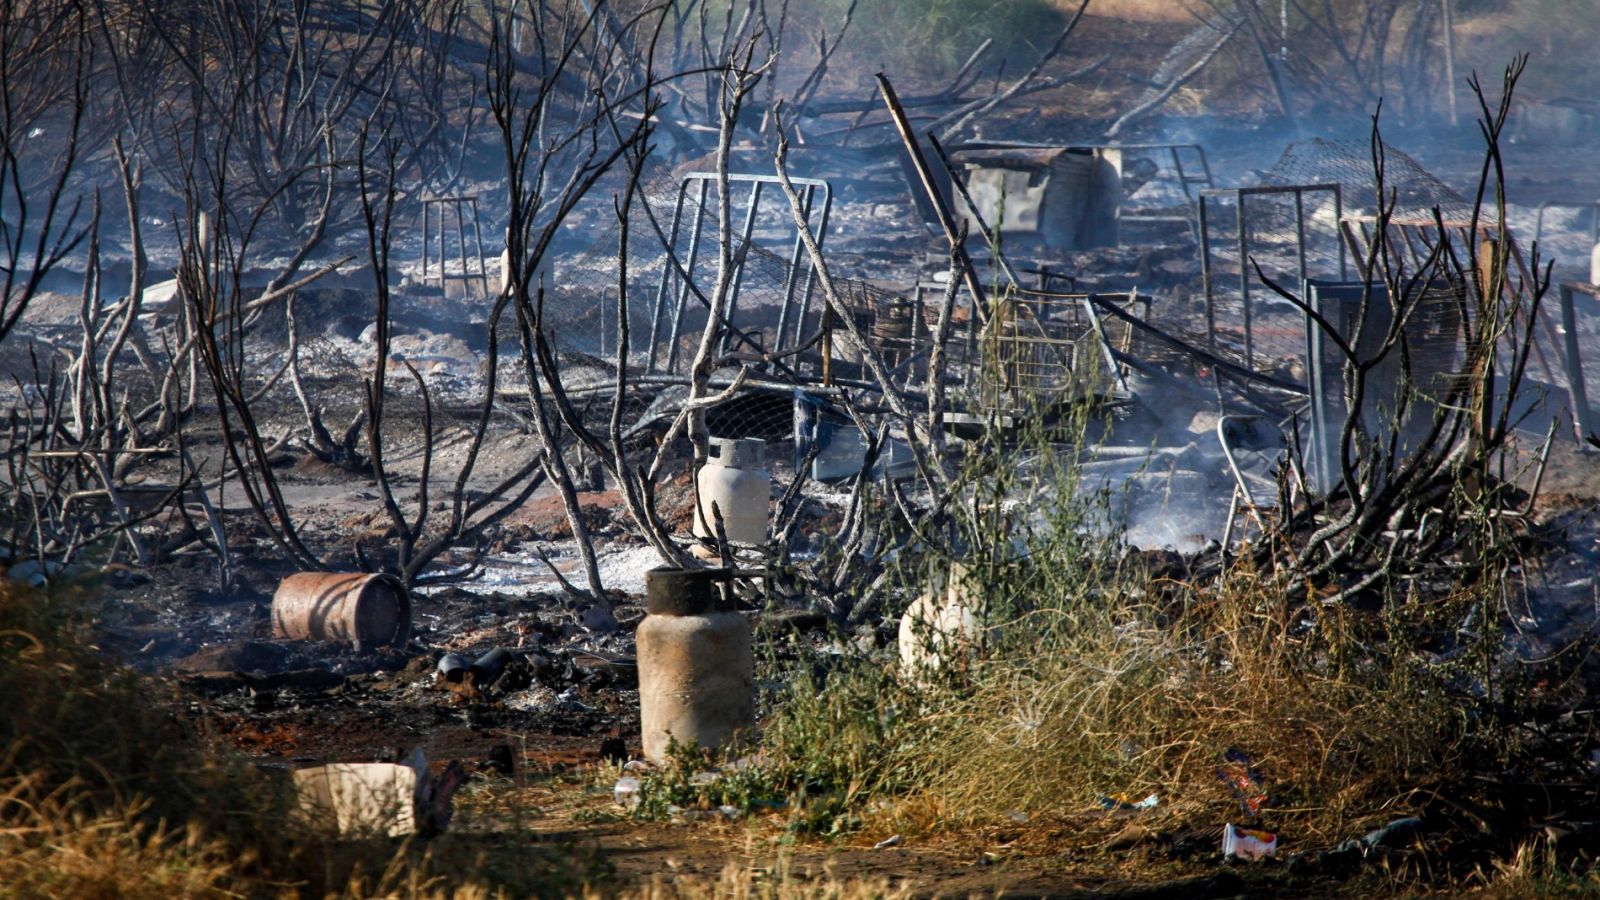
<point x="1283" y="20"/>
<point x="1244" y="281"/>
<point x="1338" y="218"/>
<point x="477" y="236"/>
<point x="925" y="174"/>
<point x="1450" y="55"/>
<point x="1300" y="229"/>
<point x="1205" y="278"/>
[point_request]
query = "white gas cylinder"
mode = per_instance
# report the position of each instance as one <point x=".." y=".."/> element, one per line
<point x="735" y="478"/>
<point x="940" y="626"/>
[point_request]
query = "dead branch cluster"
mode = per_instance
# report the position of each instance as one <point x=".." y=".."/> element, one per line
<point x="267" y="149"/>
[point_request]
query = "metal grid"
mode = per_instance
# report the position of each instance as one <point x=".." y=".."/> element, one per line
<point x="1039" y="347"/>
<point x="1415" y="192"/>
<point x="771" y="318"/>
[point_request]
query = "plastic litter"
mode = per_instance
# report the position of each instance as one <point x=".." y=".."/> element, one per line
<point x="887" y="842"/>
<point x="627" y="792"/>
<point x="1122" y="800"/>
<point x="1245" y="781"/>
<point x="1247" y="843"/>
<point x="1398" y="833"/>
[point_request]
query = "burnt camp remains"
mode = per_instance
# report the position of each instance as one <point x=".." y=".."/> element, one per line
<point x="364" y="362"/>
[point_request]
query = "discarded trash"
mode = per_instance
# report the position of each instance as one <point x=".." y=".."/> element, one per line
<point x="486" y="669"/>
<point x="568" y="701"/>
<point x="887" y="842"/>
<point x="1247" y="843"/>
<point x="452" y="667"/>
<point x="1018" y="816"/>
<point x="843" y="451"/>
<point x="1398" y="833"/>
<point x="1122" y="800"/>
<point x="378" y="798"/>
<point x="628" y="792"/>
<point x="350" y="608"/>
<point x="696" y="664"/>
<point x="1245" y="780"/>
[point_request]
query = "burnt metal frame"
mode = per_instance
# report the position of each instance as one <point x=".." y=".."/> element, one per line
<point x="1577" y="390"/>
<point x="454" y="204"/>
<point x="1239" y="196"/>
<point x="1185" y="179"/>
<point x="680" y="273"/>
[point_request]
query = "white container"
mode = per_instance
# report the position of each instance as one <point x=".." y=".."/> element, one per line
<point x="735" y="478"/>
<point x="939" y="627"/>
<point x="1594" y="265"/>
<point x="1247" y="843"/>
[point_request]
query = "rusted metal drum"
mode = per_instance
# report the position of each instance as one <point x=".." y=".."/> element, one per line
<point x="348" y="608"/>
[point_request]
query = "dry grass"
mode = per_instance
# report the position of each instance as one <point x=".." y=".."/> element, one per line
<point x="1138" y="700"/>
<point x="744" y="883"/>
<point x="1137" y="10"/>
<point x="105" y="793"/>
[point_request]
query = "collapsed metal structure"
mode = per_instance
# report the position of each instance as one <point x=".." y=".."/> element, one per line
<point x="1018" y="348"/>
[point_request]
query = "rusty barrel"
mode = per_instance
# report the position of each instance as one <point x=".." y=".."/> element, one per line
<point x="346" y="607"/>
<point x="696" y="664"/>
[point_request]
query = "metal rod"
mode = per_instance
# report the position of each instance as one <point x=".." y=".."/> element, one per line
<point x="477" y="236"/>
<point x="1338" y="218"/>
<point x="811" y="272"/>
<point x="946" y="221"/>
<point x="1575" y="384"/>
<point x="1300" y="230"/>
<point x="667" y="274"/>
<point x="461" y="245"/>
<point x="1205" y="276"/>
<point x="694" y="257"/>
<point x="1244" y="285"/>
<point x="796" y="257"/>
